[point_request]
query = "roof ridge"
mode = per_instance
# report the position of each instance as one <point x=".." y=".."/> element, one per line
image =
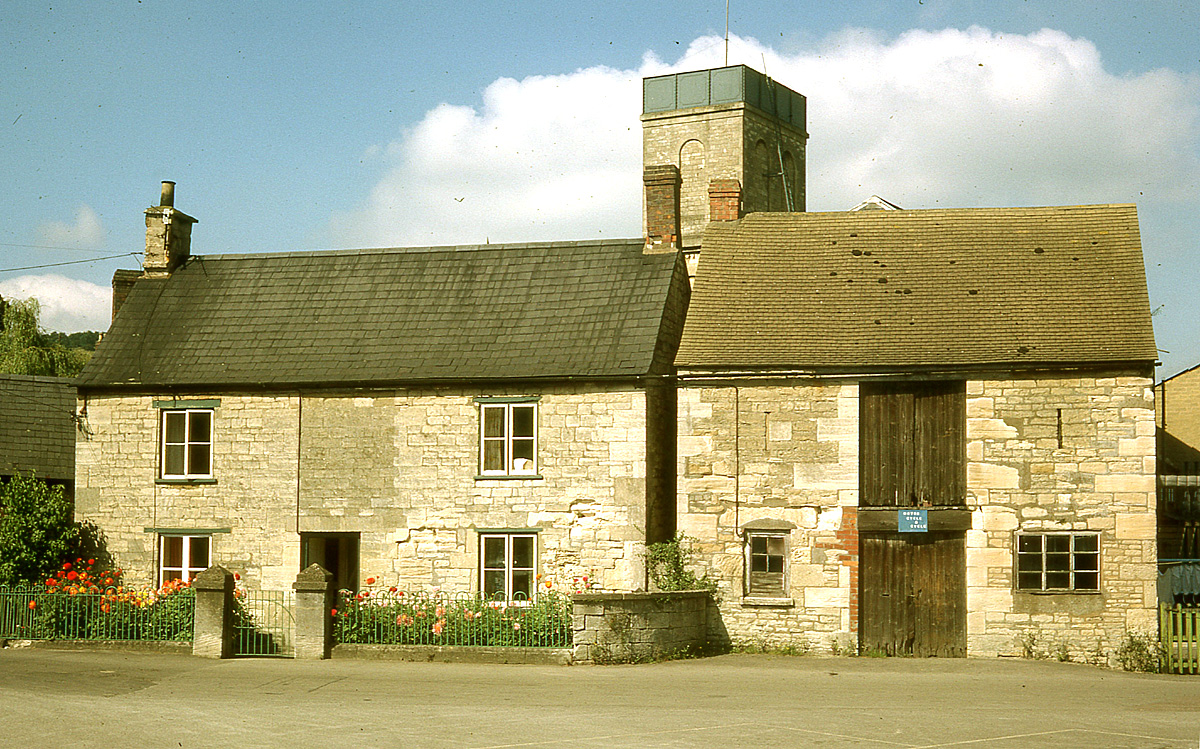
<point x="421" y="249"/>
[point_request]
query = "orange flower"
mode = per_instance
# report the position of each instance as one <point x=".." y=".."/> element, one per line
<point x="370" y="581"/>
<point x="33" y="604"/>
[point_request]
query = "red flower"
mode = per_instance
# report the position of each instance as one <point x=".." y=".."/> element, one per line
<point x="72" y="575"/>
<point x="237" y="576"/>
<point x="91" y="561"/>
<point x="370" y="581"/>
<point x="33" y="604"/>
<point x="51" y="582"/>
<point x="333" y="612"/>
<point x="66" y="565"/>
<point x="392" y="589"/>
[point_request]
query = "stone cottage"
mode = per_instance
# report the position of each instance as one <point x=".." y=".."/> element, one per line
<point x="923" y="431"/>
<point x="470" y="418"/>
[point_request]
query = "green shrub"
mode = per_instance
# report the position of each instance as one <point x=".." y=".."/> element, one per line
<point x="667" y="564"/>
<point x="1141" y="652"/>
<point x="37" y="531"/>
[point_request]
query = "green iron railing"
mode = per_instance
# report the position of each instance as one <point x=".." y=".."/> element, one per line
<point x="110" y="614"/>
<point x="389" y="617"/>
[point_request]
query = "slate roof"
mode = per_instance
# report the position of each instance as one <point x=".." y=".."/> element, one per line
<point x="37" y="428"/>
<point x="893" y="290"/>
<point x="563" y="309"/>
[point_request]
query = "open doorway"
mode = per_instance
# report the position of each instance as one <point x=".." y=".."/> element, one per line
<point x="335" y="552"/>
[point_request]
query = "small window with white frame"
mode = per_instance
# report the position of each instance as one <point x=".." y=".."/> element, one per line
<point x="1058" y="561"/>
<point x="508" y="437"/>
<point x="508" y="566"/>
<point x="183" y="557"/>
<point x="187" y="442"/>
<point x="766" y="556"/>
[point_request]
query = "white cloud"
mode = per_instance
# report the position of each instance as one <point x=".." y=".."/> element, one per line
<point x="86" y="232"/>
<point x="68" y="304"/>
<point x="927" y="119"/>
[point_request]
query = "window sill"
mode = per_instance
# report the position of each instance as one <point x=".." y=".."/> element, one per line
<point x="185" y="481"/>
<point x="768" y="601"/>
<point x="1057" y="592"/>
<point x="510" y="477"/>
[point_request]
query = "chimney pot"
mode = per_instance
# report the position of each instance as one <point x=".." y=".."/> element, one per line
<point x="168" y="193"/>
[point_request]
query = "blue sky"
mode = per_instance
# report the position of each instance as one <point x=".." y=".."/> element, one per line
<point x="293" y="126"/>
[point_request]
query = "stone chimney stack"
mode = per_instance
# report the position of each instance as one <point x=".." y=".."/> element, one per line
<point x="168" y="235"/>
<point x="724" y="200"/>
<point x="662" y="208"/>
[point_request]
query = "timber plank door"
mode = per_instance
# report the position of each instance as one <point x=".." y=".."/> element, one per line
<point x="912" y="586"/>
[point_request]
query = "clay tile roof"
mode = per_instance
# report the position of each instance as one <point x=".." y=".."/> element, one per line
<point x="563" y="309"/>
<point x="37" y="428"/>
<point x="883" y="290"/>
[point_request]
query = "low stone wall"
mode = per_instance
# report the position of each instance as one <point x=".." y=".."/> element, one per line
<point x="636" y="627"/>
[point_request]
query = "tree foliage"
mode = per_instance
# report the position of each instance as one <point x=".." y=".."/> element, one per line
<point x="26" y="350"/>
<point x="36" y="530"/>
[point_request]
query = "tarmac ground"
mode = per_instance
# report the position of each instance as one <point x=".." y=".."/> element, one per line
<point x="51" y="698"/>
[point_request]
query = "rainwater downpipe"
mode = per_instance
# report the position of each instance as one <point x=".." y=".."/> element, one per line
<point x="737" y="462"/>
<point x="299" y="438"/>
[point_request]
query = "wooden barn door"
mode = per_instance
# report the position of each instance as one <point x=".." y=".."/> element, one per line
<point x="913" y="593"/>
<point x="912" y="586"/>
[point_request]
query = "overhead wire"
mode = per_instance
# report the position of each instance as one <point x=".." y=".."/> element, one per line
<point x="70" y="262"/>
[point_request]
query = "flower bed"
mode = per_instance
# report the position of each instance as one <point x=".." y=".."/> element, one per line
<point x="78" y="603"/>
<point x="387" y="616"/>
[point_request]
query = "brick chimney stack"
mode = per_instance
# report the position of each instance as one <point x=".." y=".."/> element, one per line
<point x="724" y="200"/>
<point x="662" y="208"/>
<point x="168" y="235"/>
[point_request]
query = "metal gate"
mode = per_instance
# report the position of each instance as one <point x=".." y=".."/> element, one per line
<point x="264" y="625"/>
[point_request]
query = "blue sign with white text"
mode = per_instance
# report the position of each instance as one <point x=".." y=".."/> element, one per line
<point x="913" y="521"/>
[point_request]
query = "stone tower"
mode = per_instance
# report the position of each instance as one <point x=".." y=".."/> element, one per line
<point x="708" y="134"/>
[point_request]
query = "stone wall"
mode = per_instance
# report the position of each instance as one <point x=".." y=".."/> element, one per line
<point x="791" y="454"/>
<point x="1098" y="476"/>
<point x="397" y="467"/>
<point x="637" y="627"/>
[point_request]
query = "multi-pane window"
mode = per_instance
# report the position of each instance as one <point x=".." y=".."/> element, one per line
<point x="765" y="554"/>
<point x="183" y="557"/>
<point x="1058" y="561"/>
<point x="507" y="565"/>
<point x="508" y="439"/>
<point x="187" y="443"/>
